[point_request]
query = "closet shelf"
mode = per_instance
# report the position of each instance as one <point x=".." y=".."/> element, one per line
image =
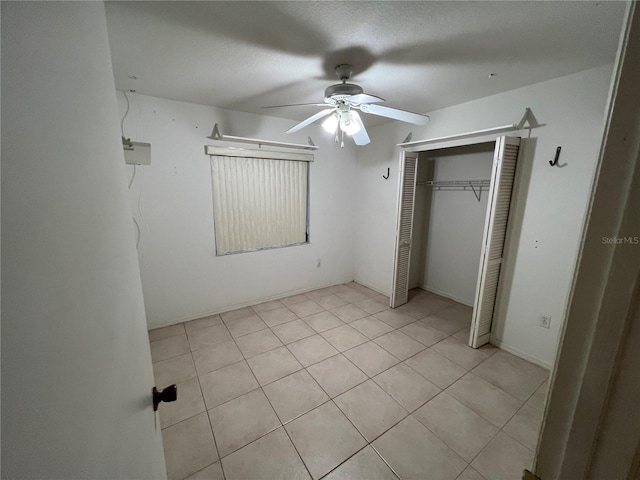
<point x="527" y="119"/>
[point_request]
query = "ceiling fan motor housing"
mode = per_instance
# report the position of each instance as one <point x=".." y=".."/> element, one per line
<point x="342" y="90"/>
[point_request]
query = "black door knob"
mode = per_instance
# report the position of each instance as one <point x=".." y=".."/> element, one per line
<point x="168" y="394"/>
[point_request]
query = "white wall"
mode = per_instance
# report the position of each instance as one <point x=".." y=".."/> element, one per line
<point x="456" y="225"/>
<point x="76" y="365"/>
<point x="549" y="204"/>
<point x="182" y="277"/>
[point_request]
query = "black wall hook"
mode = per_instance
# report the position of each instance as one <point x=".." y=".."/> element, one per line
<point x="554" y="162"/>
<point x="387" y="177"/>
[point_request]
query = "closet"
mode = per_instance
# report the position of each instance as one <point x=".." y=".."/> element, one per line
<point x="453" y="211"/>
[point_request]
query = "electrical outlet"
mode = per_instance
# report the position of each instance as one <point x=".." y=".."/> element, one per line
<point x="545" y="321"/>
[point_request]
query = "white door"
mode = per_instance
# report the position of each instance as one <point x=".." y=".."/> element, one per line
<point x="407" y="186"/>
<point x="495" y="229"/>
<point x="76" y="363"/>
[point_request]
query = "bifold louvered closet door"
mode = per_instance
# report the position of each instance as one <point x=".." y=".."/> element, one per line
<point x="495" y="230"/>
<point x="408" y="169"/>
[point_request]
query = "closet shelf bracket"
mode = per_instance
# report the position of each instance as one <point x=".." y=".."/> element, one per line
<point x="460" y="185"/>
<point x="216" y="135"/>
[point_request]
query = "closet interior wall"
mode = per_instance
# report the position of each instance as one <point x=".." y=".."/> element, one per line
<point x="448" y="224"/>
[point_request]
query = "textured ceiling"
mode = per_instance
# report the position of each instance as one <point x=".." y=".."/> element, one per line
<point x="419" y="56"/>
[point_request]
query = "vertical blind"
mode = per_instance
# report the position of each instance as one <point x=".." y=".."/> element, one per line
<point x="258" y="203"/>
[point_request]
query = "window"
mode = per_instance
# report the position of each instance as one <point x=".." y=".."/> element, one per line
<point x="260" y="199"/>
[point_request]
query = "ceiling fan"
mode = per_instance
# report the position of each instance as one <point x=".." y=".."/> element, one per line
<point x="343" y="100"/>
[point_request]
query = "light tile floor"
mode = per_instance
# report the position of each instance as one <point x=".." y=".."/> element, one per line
<point x="334" y="384"/>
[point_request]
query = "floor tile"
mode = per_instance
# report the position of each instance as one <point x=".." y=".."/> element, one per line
<point x="208" y="337"/>
<point x="382" y="299"/>
<point x="485" y="399"/>
<point x="366" y="464"/>
<point x="237" y="314"/>
<point x="227" y="383"/>
<point x="212" y="472"/>
<point x="311" y="350"/>
<point x="370" y="409"/>
<point x="321" y="292"/>
<point x="470" y="473"/>
<point x="166" y="332"/>
<point x="293" y="299"/>
<point x="169" y="347"/>
<point x="295" y="395"/>
<point x="323" y="321"/>
<point x="330" y="301"/>
<point x="188" y="404"/>
<point x="514" y="375"/>
<point x="362" y="289"/>
<point x="342" y="288"/>
<point x="423" y="333"/>
<point x="503" y="458"/>
<point x="212" y="358"/>
<point x="352" y="296"/>
<point x="271" y="457"/>
<point x="371" y="327"/>
<point x="371" y="305"/>
<point x="344" y="337"/>
<point x="305" y="308"/>
<point x="188" y="447"/>
<point x="525" y="426"/>
<point x="461" y="353"/>
<point x="435" y="368"/>
<point x="539" y="398"/>
<point x="463" y="430"/>
<point x="462" y="335"/>
<point x="257" y="343"/>
<point x="241" y="421"/>
<point x="278" y="316"/>
<point x="324" y="438"/>
<point x="267" y="306"/>
<point x="406" y="386"/>
<point x="418" y="310"/>
<point x="451" y="319"/>
<point x="416" y="453"/>
<point x="197" y="324"/>
<point x="293" y="331"/>
<point x="371" y="358"/>
<point x="394" y="318"/>
<point x="349" y="313"/>
<point x="174" y="370"/>
<point x="245" y="326"/>
<point x="336" y="375"/>
<point x="273" y="365"/>
<point x="399" y="345"/>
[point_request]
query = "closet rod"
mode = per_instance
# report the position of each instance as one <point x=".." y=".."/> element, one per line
<point x="216" y="135"/>
<point x="457" y="185"/>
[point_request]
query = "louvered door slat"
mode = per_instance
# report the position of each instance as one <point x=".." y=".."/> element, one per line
<point x="400" y="289"/>
<point x="495" y="230"/>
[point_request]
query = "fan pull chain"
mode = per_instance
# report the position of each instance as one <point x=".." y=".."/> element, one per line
<point x="342" y="141"/>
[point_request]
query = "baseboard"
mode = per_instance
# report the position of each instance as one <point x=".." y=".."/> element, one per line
<point x="447" y="295"/>
<point x="371" y="287"/>
<point x="520" y="353"/>
<point x="228" y="308"/>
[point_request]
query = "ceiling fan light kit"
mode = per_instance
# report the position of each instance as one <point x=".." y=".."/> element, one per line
<point x="343" y="99"/>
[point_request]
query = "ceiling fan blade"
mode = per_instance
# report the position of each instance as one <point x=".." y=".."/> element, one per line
<point x="395" y="113"/>
<point x="297" y="105"/>
<point x="311" y="119"/>
<point x="363" y="98"/>
<point x="361" y="137"/>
